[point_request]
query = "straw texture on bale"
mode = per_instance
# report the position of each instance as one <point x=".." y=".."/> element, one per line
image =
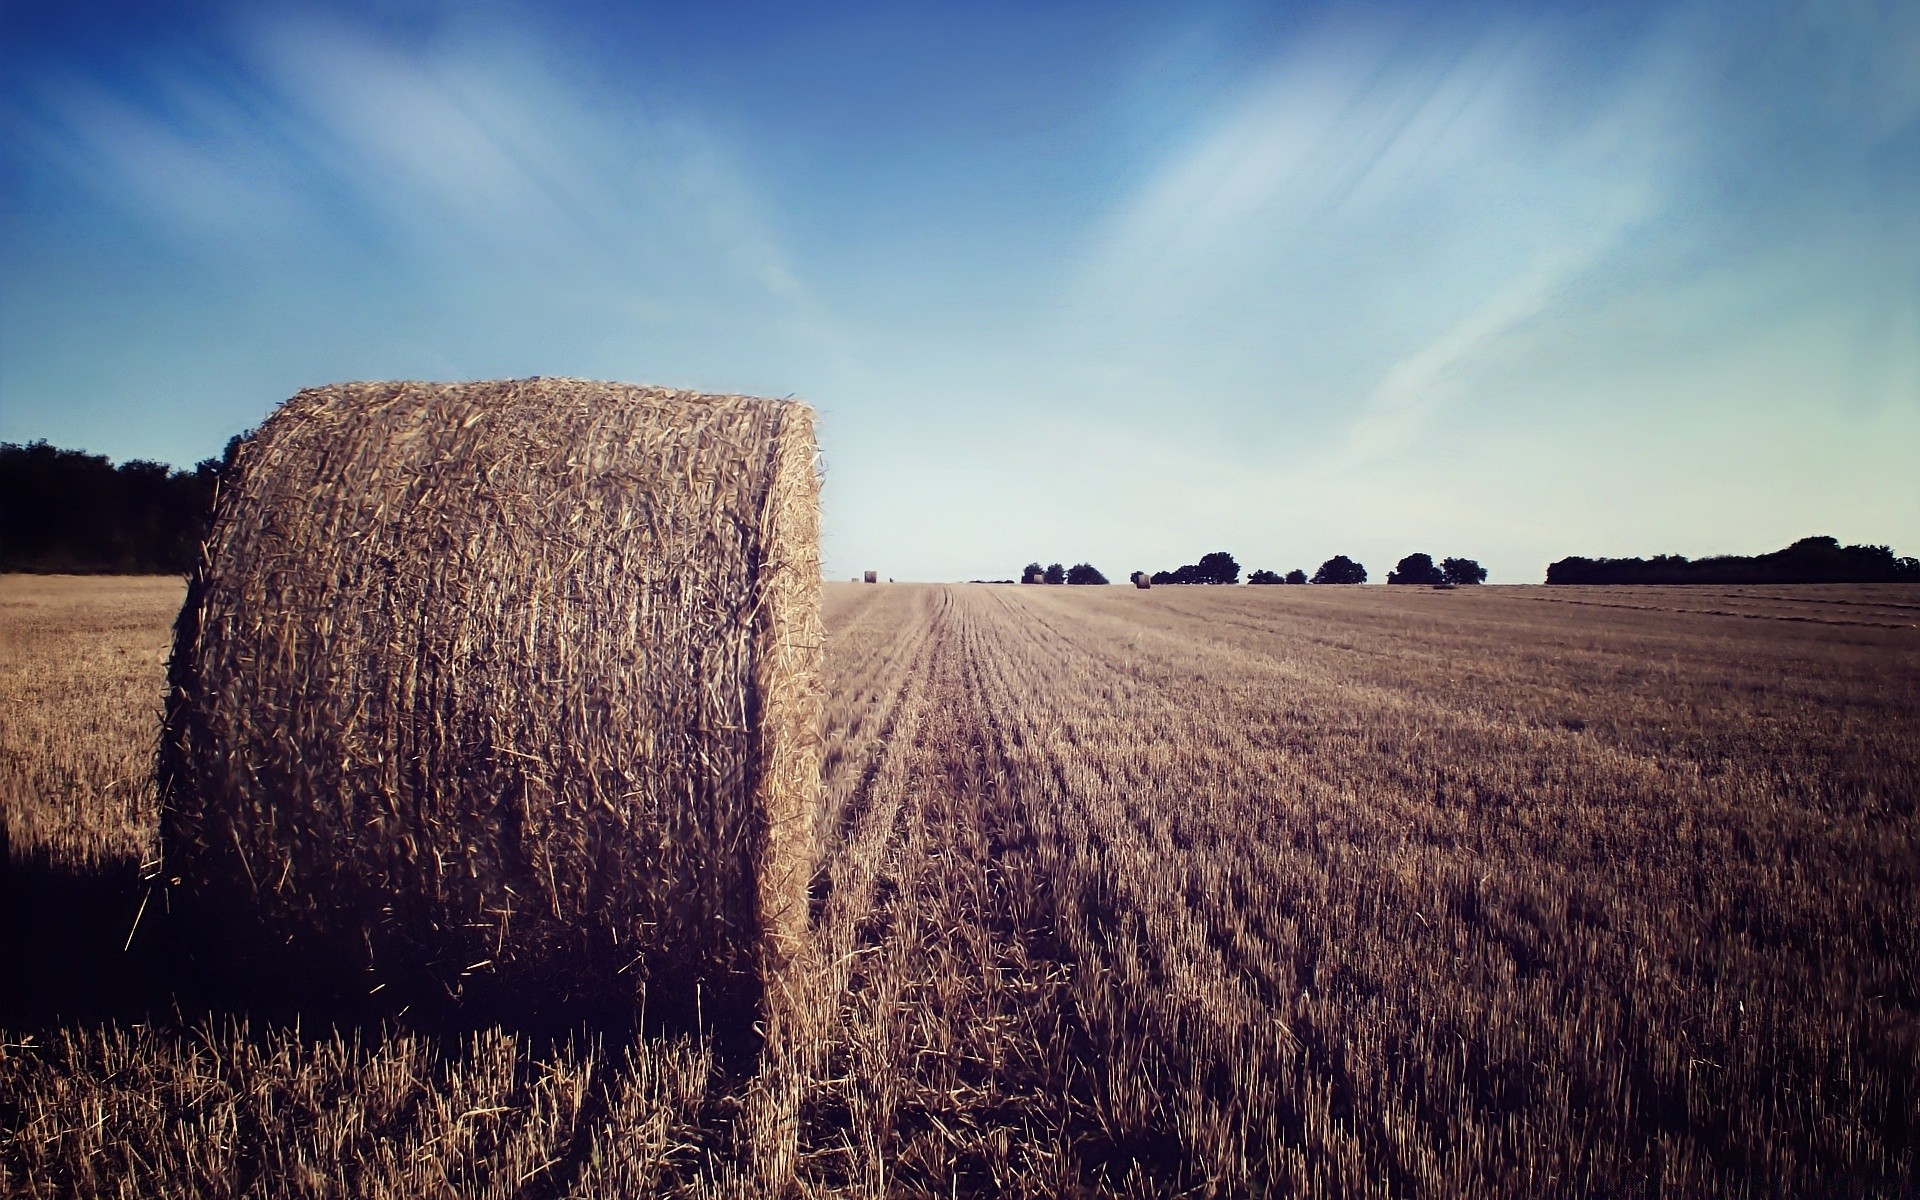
<point x="503" y="694"/>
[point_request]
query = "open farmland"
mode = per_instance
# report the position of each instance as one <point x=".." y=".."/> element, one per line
<point x="1301" y="891"/>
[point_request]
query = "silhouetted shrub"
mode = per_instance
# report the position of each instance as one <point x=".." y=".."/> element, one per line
<point x="1340" y="569"/>
<point x="1035" y="573"/>
<point x="1463" y="570"/>
<point x="1264" y="577"/>
<point x="1416" y="569"/>
<point x="1055" y="574"/>
<point x="1218" y="567"/>
<point x="1084" y="573"/>
<point x="1296" y="576"/>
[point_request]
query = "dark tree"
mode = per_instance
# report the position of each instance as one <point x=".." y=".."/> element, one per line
<point x="1084" y="573"/>
<point x="1218" y="567"/>
<point x="65" y="510"/>
<point x="1416" y="568"/>
<point x="1264" y="577"/>
<point x="1463" y="570"/>
<point x="1033" y="574"/>
<point x="1296" y="576"/>
<point x="1056" y="574"/>
<point x="1340" y="569"/>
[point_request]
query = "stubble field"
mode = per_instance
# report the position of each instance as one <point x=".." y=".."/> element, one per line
<point x="1290" y="891"/>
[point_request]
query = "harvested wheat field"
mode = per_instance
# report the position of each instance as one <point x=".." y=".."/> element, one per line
<point x="1194" y="891"/>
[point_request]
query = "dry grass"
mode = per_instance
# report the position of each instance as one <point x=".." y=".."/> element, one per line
<point x="81" y="660"/>
<point x="1219" y="892"/>
<point x="228" y="1113"/>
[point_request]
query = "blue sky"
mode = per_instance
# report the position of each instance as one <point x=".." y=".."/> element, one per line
<point x="1113" y="283"/>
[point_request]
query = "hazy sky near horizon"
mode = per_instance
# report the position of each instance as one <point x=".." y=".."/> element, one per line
<point x="1114" y="283"/>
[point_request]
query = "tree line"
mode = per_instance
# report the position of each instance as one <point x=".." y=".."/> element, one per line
<point x="1078" y="573"/>
<point x="1221" y="568"/>
<point x="1809" y="560"/>
<point x="72" y="512"/>
<point x="1216" y="568"/>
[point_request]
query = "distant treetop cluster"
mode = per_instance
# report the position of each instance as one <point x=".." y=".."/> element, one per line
<point x="1220" y="568"/>
<point x="1216" y="568"/>
<point x="1340" y="569"/>
<point x="1809" y="560"/>
<point x="1078" y="573"/>
<point x="1419" y="568"/>
<point x="70" y="511"/>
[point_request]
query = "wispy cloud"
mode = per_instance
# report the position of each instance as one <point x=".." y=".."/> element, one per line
<point x="1400" y="407"/>
<point x="170" y="153"/>
<point x="1373" y="211"/>
<point x="1345" y="116"/>
<point x="480" y="145"/>
<point x="1298" y="283"/>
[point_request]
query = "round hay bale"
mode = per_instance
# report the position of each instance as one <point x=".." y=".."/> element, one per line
<point x="503" y="697"/>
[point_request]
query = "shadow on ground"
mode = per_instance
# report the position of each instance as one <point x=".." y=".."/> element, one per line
<point x="97" y="943"/>
<point x="70" y="943"/>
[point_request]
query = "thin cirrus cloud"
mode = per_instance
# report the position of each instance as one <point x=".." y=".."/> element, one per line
<point x="284" y="196"/>
<point x="1501" y="280"/>
<point x="296" y="125"/>
<point x="486" y="146"/>
<point x="1336" y="118"/>
<point x="1308" y="279"/>
<point x="175" y="156"/>
<point x="1410" y="283"/>
<point x="1375" y="186"/>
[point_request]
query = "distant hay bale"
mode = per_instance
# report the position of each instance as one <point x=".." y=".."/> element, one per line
<point x="1142" y="580"/>
<point x="503" y="696"/>
<point x="873" y="577"/>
